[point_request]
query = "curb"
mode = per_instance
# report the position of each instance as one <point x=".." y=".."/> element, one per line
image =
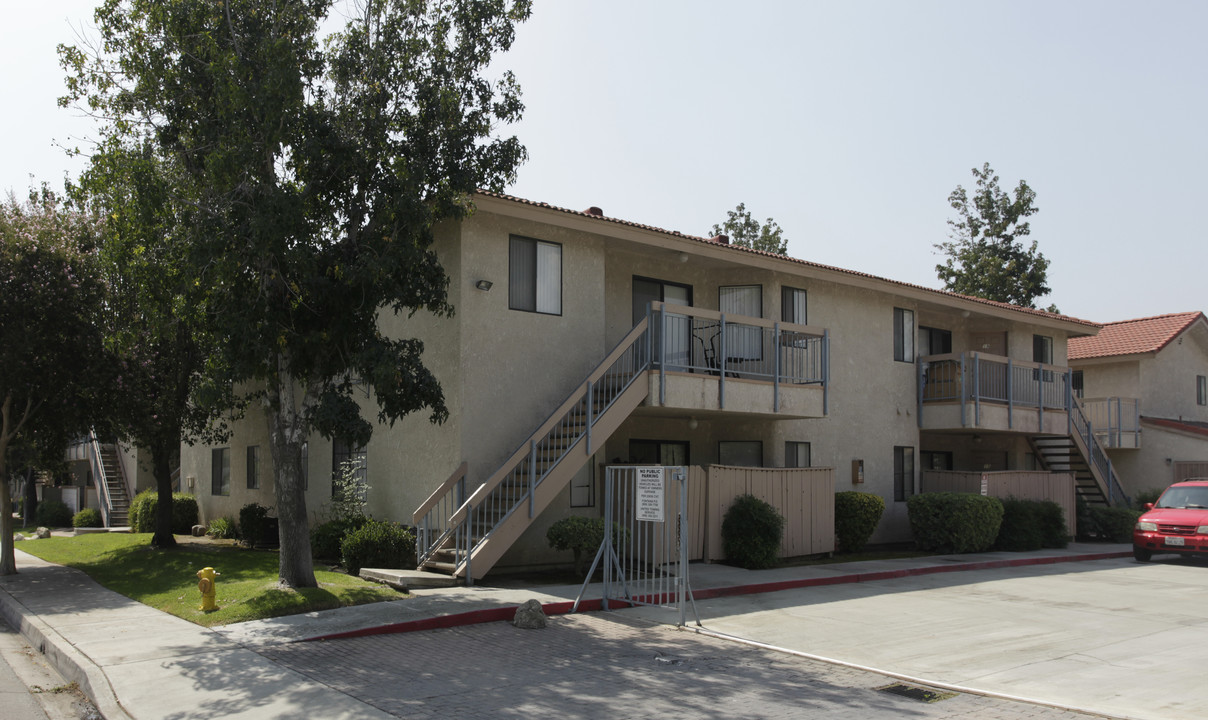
<point x="72" y="664"/>
<point x="506" y="613"/>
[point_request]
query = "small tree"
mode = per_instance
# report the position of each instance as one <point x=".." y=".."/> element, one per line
<point x="745" y="231"/>
<point x="985" y="257"/>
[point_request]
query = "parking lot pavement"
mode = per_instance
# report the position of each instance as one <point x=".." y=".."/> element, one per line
<point x="1110" y="636"/>
<point x="614" y="664"/>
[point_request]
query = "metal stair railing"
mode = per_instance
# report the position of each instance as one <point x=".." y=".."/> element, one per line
<point x="433" y="524"/>
<point x="514" y="485"/>
<point x="99" y="477"/>
<point x="1097" y="459"/>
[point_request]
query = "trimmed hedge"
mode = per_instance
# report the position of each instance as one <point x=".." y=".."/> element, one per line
<point x="751" y="532"/>
<point x="88" y="518"/>
<point x="253" y="523"/>
<point x="856" y="518"/>
<point x="142" y="512"/>
<point x="1031" y="525"/>
<point x="947" y="522"/>
<point x="1112" y="524"/>
<point x="378" y="544"/>
<point x="325" y="538"/>
<point x="52" y="514"/>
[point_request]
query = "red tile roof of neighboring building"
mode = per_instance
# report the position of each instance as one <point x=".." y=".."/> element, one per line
<point x="1132" y="337"/>
<point x="712" y="241"/>
<point x="1184" y="425"/>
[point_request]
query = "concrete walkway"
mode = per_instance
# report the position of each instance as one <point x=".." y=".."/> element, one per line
<point x="137" y="662"/>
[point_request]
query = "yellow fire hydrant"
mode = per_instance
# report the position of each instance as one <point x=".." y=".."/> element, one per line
<point x="208" y="587"/>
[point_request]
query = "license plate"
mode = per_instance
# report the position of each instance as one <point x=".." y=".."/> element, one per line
<point x="1174" y="541"/>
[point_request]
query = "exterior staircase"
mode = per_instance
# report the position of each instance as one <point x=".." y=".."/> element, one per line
<point x="112" y="489"/>
<point x="1082" y="453"/>
<point x="465" y="536"/>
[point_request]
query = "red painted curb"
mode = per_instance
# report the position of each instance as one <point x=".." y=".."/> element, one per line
<point x="506" y="613"/>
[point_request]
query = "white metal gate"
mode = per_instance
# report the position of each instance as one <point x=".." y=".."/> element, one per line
<point x="645" y="522"/>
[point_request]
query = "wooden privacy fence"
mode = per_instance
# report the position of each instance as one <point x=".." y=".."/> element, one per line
<point x="1020" y="484"/>
<point x="804" y="496"/>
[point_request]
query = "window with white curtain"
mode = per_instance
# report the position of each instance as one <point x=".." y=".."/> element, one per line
<point x="743" y="342"/>
<point x="535" y="276"/>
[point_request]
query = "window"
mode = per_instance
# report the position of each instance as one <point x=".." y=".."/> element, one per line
<point x="743" y="342"/>
<point x="344" y="453"/>
<point x="793" y="306"/>
<point x="903" y="335"/>
<point x="658" y="452"/>
<point x="936" y="459"/>
<point x="583" y="487"/>
<point x="903" y="473"/>
<point x="220" y="471"/>
<point x="796" y="454"/>
<point x="740" y="453"/>
<point x="1042" y="349"/>
<point x="1201" y="390"/>
<point x="1076" y="382"/>
<point x="933" y="341"/>
<point x="535" y="276"/>
<point x="253" y="467"/>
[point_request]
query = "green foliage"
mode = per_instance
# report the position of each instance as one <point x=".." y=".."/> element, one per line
<point x="223" y="528"/>
<point x="1109" y="524"/>
<point x="582" y="535"/>
<point x="349" y="492"/>
<point x="745" y="231"/>
<point x="751" y="532"/>
<point x="378" y="544"/>
<point x="142" y="512"/>
<point x="253" y="523"/>
<point x="325" y="538"/>
<point x="856" y="518"/>
<point x="985" y="256"/>
<point x="306" y="171"/>
<point x="1146" y="496"/>
<point x="954" y="522"/>
<point x="88" y="518"/>
<point x="52" y="513"/>
<point x="1031" y="525"/>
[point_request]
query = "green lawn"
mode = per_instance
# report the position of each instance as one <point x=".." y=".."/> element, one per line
<point x="167" y="579"/>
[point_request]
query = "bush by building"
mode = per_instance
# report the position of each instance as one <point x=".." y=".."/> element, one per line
<point x="142" y="512"/>
<point x="378" y="544"/>
<point x="751" y="533"/>
<point x="88" y="518"/>
<point x="947" y="522"/>
<point x="856" y="518"/>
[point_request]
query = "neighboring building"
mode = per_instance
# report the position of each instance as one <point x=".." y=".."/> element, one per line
<point x="693" y="352"/>
<point x="1145" y="386"/>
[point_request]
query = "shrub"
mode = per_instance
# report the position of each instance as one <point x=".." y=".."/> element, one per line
<point x="751" y="533"/>
<point x="856" y="517"/>
<point x="325" y="538"/>
<point x="87" y="518"/>
<point x="53" y="513"/>
<point x="223" y="528"/>
<point x="1111" y="524"/>
<point x="948" y="522"/>
<point x="253" y="523"/>
<point x="1020" y="529"/>
<point x="580" y="534"/>
<point x="1052" y="525"/>
<point x="1146" y="496"/>
<point x="142" y="512"/>
<point x="378" y="544"/>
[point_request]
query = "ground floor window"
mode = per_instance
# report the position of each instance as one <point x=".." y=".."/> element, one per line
<point x="796" y="454"/>
<point x="936" y="460"/>
<point x="659" y="452"/>
<point x="583" y="487"/>
<point x="253" y="467"/>
<point x="740" y="453"/>
<point x="220" y="471"/>
<point x="903" y="473"/>
<point x="347" y="457"/>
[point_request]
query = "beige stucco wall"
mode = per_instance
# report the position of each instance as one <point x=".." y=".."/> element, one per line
<point x="1168" y="379"/>
<point x="1146" y="468"/>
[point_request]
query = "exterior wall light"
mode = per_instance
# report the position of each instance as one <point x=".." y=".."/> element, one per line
<point x="484" y="285"/>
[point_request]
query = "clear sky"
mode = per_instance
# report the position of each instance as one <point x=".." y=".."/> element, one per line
<point x="848" y="122"/>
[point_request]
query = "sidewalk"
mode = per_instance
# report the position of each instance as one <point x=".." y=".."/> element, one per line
<point x="137" y="662"/>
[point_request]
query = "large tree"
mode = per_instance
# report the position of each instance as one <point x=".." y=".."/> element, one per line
<point x="315" y="172"/>
<point x="746" y="231"/>
<point x="985" y="256"/>
<point x="53" y="367"/>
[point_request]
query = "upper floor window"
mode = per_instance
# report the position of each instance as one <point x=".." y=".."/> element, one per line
<point x="1076" y="383"/>
<point x="743" y="342"/>
<point x="793" y="305"/>
<point x="253" y="467"/>
<point x="903" y="335"/>
<point x="535" y="276"/>
<point x="1042" y="349"/>
<point x="933" y="341"/>
<point x="220" y="471"/>
<point x="1201" y="390"/>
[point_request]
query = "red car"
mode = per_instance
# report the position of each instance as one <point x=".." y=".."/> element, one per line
<point x="1176" y="523"/>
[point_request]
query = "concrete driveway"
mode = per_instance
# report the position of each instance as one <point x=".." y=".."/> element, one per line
<point x="1116" y="636"/>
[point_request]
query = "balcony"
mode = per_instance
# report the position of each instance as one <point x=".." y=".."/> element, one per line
<point x="1117" y="421"/>
<point x="989" y="392"/>
<point x="705" y="361"/>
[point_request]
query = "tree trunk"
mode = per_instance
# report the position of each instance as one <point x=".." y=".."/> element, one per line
<point x="285" y="431"/>
<point x="162" y="470"/>
<point x="8" y="555"/>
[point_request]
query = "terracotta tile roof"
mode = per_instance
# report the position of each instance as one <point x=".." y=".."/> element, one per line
<point x="739" y="248"/>
<point x="1132" y="337"/>
<point x="1185" y="425"/>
